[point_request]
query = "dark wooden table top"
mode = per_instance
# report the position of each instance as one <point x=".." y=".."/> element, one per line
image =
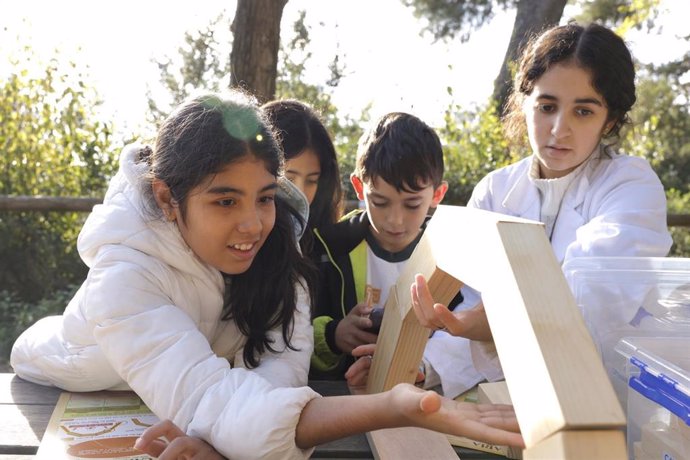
<point x="25" y="409"/>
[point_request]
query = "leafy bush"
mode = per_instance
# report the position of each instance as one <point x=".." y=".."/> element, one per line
<point x="474" y="145"/>
<point x="679" y="203"/>
<point x="50" y="144"/>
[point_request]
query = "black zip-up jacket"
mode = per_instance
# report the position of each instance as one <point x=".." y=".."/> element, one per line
<point x="340" y="252"/>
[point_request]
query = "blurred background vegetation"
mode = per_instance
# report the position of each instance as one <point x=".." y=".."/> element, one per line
<point x="54" y="142"/>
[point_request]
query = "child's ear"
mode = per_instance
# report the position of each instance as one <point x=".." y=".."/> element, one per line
<point x="358" y="185"/>
<point x="164" y="199"/>
<point x="439" y="193"/>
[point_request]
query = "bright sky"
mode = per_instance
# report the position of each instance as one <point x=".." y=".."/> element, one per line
<point x="387" y="60"/>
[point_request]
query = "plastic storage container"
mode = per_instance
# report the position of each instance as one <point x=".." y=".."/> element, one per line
<point x="658" y="400"/>
<point x="630" y="297"/>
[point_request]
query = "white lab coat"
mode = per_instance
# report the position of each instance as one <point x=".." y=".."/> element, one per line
<point x="615" y="207"/>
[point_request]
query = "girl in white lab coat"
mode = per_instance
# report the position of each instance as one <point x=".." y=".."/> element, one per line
<point x="571" y="96"/>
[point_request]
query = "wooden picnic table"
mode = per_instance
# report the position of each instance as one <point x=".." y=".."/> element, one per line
<point x="25" y="409"/>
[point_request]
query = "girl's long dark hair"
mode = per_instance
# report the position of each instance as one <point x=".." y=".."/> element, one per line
<point x="298" y="128"/>
<point x="199" y="139"/>
<point x="265" y="296"/>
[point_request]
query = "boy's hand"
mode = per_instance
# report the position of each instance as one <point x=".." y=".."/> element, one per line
<point x="471" y="323"/>
<point x="352" y="330"/>
<point x="178" y="446"/>
<point x="358" y="373"/>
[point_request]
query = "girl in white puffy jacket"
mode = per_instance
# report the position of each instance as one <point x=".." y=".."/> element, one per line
<point x="198" y="299"/>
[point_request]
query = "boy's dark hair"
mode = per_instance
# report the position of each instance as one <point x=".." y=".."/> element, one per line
<point x="403" y="151"/>
<point x="594" y="48"/>
<point x="199" y="139"/>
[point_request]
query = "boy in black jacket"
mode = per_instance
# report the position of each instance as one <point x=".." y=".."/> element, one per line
<point x="399" y="177"/>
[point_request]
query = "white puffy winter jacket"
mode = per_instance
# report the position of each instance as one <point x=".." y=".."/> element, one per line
<point x="148" y="317"/>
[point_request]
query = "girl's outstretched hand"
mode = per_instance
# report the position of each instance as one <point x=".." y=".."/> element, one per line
<point x="471" y="323"/>
<point x="491" y="423"/>
<point x="167" y="441"/>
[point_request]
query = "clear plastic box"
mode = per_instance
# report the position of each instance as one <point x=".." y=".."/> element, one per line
<point x="630" y="297"/>
<point x="658" y="411"/>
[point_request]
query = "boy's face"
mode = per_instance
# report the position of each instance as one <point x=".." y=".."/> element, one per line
<point x="396" y="217"/>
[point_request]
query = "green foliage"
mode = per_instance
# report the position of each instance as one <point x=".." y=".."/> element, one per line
<point x="679" y="203"/>
<point x="626" y="14"/>
<point x="450" y="18"/>
<point x="661" y="131"/>
<point x="50" y="144"/>
<point x="199" y="68"/>
<point x="16" y="315"/>
<point x="345" y="130"/>
<point x="474" y="145"/>
<point x="202" y="63"/>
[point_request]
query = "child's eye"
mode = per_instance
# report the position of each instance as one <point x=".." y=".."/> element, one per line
<point x="267" y="199"/>
<point x="312" y="182"/>
<point x="546" y="108"/>
<point x="412" y="206"/>
<point x="583" y="112"/>
<point x="380" y="204"/>
<point x="226" y="202"/>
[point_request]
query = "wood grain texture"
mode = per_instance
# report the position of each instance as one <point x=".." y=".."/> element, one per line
<point x="579" y="445"/>
<point x="553" y="371"/>
<point x="493" y="393"/>
<point x="402" y="339"/>
<point x="412" y="443"/>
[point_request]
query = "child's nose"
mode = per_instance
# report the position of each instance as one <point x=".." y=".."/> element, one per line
<point x="561" y="126"/>
<point x="250" y="221"/>
<point x="395" y="217"/>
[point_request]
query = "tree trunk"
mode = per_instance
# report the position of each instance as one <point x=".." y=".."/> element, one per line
<point x="256" y="40"/>
<point x="532" y="17"/>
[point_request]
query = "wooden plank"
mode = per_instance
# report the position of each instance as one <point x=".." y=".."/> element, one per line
<point x="14" y="390"/>
<point x="578" y="445"/>
<point x="408" y="442"/>
<point x="553" y="371"/>
<point x="22" y="427"/>
<point x="402" y="339"/>
<point x="399" y="351"/>
<point x="493" y="393"/>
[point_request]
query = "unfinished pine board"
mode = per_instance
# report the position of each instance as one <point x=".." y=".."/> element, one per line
<point x="410" y="443"/>
<point x="493" y="393"/>
<point x="399" y="351"/>
<point x="553" y="371"/>
<point x="402" y="339"/>
<point x="579" y="445"/>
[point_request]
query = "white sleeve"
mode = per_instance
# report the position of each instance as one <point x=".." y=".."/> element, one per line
<point x="159" y="351"/>
<point x="451" y="360"/>
<point x="627" y="215"/>
<point x="459" y="362"/>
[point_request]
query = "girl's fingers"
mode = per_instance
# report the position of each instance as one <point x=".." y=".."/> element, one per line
<point x="166" y="429"/>
<point x="154" y="448"/>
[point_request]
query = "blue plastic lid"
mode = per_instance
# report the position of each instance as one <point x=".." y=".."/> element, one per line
<point x="661" y="389"/>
